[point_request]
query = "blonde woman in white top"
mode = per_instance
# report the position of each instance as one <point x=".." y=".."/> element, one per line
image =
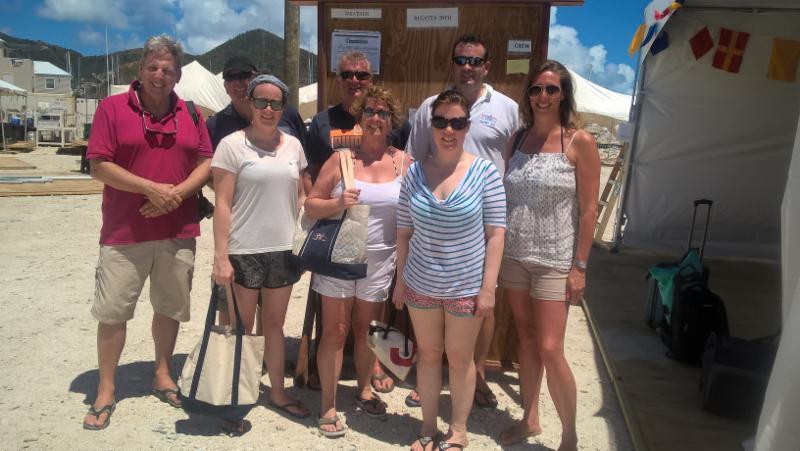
<point x="378" y="170"/>
<point x="552" y="182"/>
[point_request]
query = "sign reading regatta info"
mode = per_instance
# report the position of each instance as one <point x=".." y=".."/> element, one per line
<point x="432" y="18"/>
<point x="356" y="13"/>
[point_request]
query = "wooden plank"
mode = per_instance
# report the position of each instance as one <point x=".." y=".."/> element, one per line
<point x="663" y="394"/>
<point x="14" y="163"/>
<point x="56" y="187"/>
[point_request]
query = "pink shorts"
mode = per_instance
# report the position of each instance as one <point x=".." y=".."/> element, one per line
<point x="463" y="307"/>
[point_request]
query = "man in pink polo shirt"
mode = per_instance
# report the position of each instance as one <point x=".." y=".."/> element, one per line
<point x="152" y="158"/>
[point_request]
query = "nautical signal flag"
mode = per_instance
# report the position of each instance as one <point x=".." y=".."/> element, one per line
<point x="730" y="50"/>
<point x="661" y="43"/>
<point x="783" y="60"/>
<point x="701" y="43"/>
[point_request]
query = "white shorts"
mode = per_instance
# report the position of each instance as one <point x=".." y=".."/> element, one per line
<point x="373" y="288"/>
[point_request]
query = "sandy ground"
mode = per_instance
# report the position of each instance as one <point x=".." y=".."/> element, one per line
<point x="49" y="357"/>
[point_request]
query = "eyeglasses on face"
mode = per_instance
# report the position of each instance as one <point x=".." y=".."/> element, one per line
<point x="383" y="114"/>
<point x="262" y="104"/>
<point x="237" y="76"/>
<point x="360" y="75"/>
<point x="474" y="61"/>
<point x="456" y="123"/>
<point x="173" y="131"/>
<point x="549" y="90"/>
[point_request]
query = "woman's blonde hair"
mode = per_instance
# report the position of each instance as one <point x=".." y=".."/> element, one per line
<point x="383" y="95"/>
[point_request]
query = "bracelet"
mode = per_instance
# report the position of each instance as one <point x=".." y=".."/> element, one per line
<point x="580" y="265"/>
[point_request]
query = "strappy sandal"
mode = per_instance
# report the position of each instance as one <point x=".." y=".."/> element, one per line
<point x="373" y="407"/>
<point x="424" y="441"/>
<point x="331" y="434"/>
<point x="442" y="446"/>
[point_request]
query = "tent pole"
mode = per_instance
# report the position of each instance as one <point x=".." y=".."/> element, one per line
<point x="636" y="101"/>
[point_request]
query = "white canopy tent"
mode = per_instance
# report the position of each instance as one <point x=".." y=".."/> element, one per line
<point x="199" y="85"/>
<point x="598" y="104"/>
<point x="11" y="90"/>
<point x="704" y="132"/>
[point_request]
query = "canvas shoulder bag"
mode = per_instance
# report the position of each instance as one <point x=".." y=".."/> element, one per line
<point x="335" y="246"/>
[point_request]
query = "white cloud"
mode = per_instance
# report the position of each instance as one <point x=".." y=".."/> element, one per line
<point x="90" y="37"/>
<point x="205" y="24"/>
<point x="116" y="14"/>
<point x="109" y="12"/>
<point x="590" y="62"/>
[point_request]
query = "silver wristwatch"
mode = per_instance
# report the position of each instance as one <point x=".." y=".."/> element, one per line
<point x="580" y="264"/>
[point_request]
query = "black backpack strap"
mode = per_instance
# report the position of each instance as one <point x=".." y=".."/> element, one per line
<point x="193" y="112"/>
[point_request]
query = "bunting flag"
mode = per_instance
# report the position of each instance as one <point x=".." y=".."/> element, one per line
<point x="636" y="42"/>
<point x="658" y="15"/>
<point x="730" y="50"/>
<point x="701" y="43"/>
<point x="783" y="60"/>
<point x="661" y="43"/>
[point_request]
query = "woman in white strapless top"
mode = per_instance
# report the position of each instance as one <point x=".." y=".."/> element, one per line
<point x="378" y="172"/>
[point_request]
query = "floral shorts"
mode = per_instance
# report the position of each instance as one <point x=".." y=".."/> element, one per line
<point x="463" y="307"/>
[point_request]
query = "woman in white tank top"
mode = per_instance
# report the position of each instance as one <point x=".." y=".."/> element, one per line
<point x="552" y="182"/>
<point x="378" y="172"/>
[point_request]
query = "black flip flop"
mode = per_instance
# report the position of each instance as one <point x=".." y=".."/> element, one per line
<point x="96" y="413"/>
<point x="285" y="408"/>
<point x="163" y="396"/>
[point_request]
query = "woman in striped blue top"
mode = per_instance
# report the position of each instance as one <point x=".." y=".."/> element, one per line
<point x="450" y="229"/>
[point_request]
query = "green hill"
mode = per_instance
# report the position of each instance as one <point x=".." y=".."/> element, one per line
<point x="265" y="49"/>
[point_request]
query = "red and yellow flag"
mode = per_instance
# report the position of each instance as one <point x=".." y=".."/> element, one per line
<point x="730" y="50"/>
<point x="783" y="60"/>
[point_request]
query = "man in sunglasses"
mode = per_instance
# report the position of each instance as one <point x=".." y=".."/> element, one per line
<point x="335" y="127"/>
<point x="237" y="73"/>
<point x="494" y="118"/>
<point x="146" y="149"/>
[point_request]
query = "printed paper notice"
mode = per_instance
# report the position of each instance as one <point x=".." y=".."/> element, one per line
<point x="520" y="46"/>
<point x="356" y="13"/>
<point x="432" y="18"/>
<point x="517" y="66"/>
<point x="366" y="42"/>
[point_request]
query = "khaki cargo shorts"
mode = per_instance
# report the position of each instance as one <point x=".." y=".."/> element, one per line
<point x="123" y="269"/>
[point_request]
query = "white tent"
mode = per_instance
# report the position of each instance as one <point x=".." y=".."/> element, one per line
<point x="8" y="89"/>
<point x="703" y="132"/>
<point x="598" y="104"/>
<point x="198" y="85"/>
<point x="730" y="136"/>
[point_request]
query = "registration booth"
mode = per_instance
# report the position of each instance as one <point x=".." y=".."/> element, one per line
<point x="409" y="46"/>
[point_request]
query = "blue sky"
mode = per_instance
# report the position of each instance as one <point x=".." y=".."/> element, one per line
<point x="591" y="39"/>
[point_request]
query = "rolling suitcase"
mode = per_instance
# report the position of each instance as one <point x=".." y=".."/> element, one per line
<point x="659" y="278"/>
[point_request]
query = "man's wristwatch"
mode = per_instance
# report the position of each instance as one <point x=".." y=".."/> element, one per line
<point x="580" y="265"/>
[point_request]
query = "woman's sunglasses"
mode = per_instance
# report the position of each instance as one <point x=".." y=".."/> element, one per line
<point x="456" y="123"/>
<point x="383" y="114"/>
<point x="550" y="90"/>
<point x="360" y="76"/>
<point x="262" y="104"/>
